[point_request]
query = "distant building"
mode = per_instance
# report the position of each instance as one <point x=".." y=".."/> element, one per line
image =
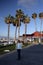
<point x="4" y="41"/>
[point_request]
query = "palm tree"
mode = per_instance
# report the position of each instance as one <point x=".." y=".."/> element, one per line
<point x="26" y="20"/>
<point x="13" y="22"/>
<point x="34" y="16"/>
<point x="19" y="16"/>
<point x="16" y="23"/>
<point x="41" y="17"/>
<point x="8" y="21"/>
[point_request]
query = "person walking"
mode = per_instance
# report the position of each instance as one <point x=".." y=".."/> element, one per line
<point x="19" y="47"/>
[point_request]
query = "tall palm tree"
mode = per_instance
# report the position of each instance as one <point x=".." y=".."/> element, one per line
<point x="13" y="22"/>
<point x="8" y="21"/>
<point x="26" y="20"/>
<point x="34" y="16"/>
<point x="16" y="23"/>
<point x="41" y="17"/>
<point x="19" y="15"/>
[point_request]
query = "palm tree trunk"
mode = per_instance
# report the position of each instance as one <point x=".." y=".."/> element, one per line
<point x="16" y="32"/>
<point x="25" y="28"/>
<point x="25" y="32"/>
<point x="35" y="25"/>
<point x="19" y="29"/>
<point x="41" y="29"/>
<point x="8" y="33"/>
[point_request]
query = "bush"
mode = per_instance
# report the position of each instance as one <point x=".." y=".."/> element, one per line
<point x="25" y="44"/>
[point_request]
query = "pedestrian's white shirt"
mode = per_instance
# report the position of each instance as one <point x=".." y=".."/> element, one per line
<point x="19" y="46"/>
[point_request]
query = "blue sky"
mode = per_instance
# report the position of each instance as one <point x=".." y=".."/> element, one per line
<point x="28" y="6"/>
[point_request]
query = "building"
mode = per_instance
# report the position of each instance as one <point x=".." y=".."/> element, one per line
<point x="34" y="37"/>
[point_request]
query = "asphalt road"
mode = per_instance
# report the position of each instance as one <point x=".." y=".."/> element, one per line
<point x="30" y="56"/>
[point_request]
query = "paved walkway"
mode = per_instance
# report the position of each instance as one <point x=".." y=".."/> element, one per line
<point x="30" y="56"/>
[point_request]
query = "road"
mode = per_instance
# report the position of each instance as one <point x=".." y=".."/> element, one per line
<point x="30" y="56"/>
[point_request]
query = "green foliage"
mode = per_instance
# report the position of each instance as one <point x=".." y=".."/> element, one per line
<point x="7" y="47"/>
<point x="25" y="44"/>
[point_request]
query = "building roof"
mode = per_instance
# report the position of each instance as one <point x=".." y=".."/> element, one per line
<point x="35" y="34"/>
